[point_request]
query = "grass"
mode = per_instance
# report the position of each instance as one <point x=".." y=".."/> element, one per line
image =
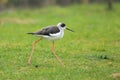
<point x="91" y="53"/>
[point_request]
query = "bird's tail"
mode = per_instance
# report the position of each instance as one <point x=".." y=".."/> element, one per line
<point x="31" y="33"/>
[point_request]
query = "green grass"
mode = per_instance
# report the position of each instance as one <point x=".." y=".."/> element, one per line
<point x="91" y="53"/>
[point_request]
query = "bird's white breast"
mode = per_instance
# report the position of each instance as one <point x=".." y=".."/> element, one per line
<point x="55" y="36"/>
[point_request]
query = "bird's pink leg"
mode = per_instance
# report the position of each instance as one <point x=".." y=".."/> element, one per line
<point x="33" y="46"/>
<point x="53" y="52"/>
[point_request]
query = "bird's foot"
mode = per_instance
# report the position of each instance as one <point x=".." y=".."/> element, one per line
<point x="28" y="63"/>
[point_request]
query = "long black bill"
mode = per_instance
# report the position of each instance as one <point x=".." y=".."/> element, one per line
<point x="69" y="29"/>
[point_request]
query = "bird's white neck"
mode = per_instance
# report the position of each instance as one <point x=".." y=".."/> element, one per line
<point x="62" y="29"/>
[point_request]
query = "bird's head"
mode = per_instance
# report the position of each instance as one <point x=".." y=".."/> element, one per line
<point x="63" y="26"/>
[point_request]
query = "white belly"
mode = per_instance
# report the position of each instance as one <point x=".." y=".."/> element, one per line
<point x="54" y="36"/>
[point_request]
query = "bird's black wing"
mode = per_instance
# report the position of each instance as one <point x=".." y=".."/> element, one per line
<point x="47" y="31"/>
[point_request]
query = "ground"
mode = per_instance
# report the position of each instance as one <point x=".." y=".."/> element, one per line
<point x="90" y="53"/>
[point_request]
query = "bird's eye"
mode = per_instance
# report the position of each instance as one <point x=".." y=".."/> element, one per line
<point x="63" y="25"/>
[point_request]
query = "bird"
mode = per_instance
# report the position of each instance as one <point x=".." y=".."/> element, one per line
<point x="52" y="33"/>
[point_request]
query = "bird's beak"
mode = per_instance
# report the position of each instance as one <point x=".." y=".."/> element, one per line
<point x="69" y="29"/>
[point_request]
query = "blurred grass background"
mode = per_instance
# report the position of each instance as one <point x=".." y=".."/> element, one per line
<point x="91" y="53"/>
